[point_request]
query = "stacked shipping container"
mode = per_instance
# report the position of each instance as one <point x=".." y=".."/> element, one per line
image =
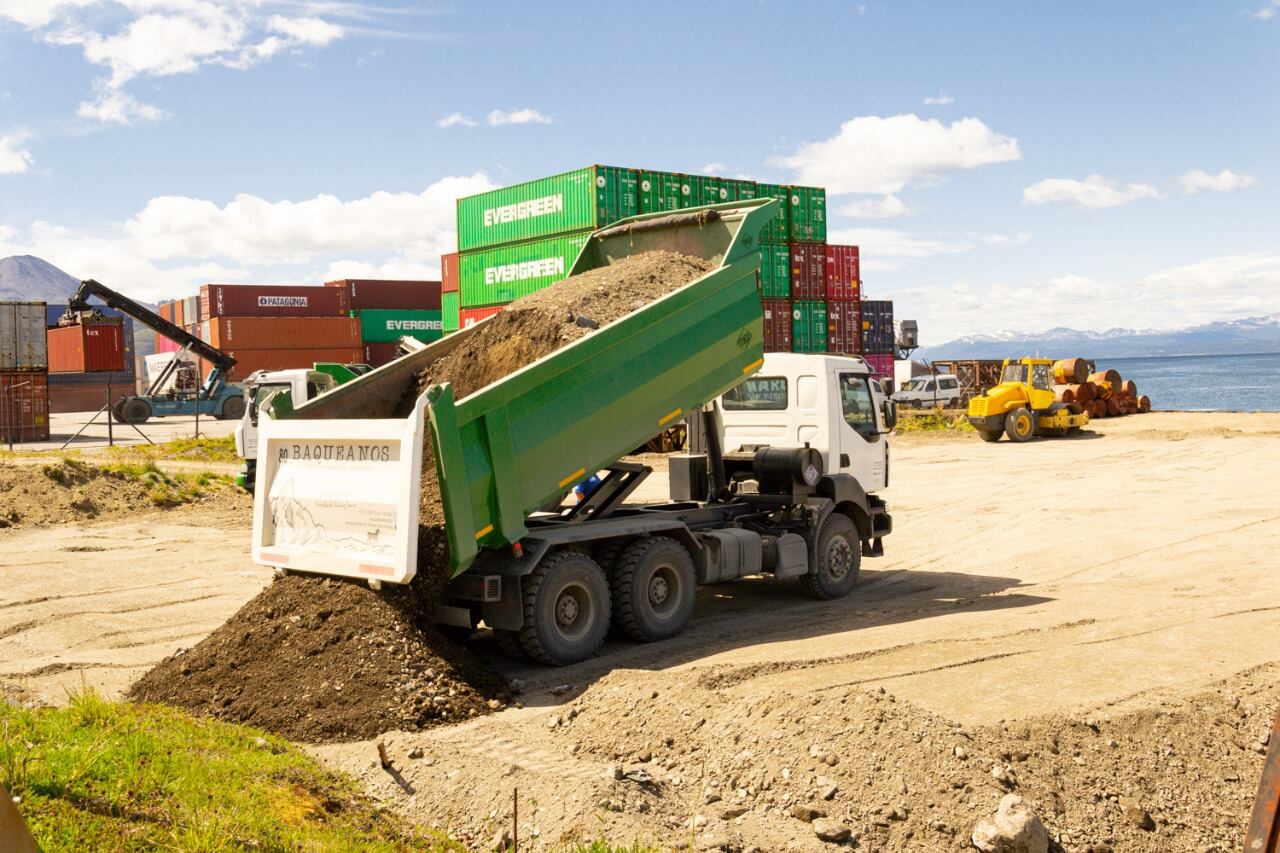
<point x="518" y="239"/>
<point x="86" y="370"/>
<point x="24" y="364"/>
<point x="390" y="309"/>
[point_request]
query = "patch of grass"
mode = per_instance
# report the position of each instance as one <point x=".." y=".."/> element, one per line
<point x="932" y="420"/>
<point x="222" y="449"/>
<point x="165" y="489"/>
<point x="110" y="776"/>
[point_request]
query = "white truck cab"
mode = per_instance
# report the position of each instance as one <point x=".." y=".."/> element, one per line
<point x="301" y="384"/>
<point x="828" y="402"/>
<point x="942" y="389"/>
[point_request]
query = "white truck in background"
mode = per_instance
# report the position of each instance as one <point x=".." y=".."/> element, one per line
<point x="942" y="389"/>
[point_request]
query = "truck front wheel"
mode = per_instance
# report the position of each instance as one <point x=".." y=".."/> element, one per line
<point x="566" y="609"/>
<point x="653" y="588"/>
<point x="834" y="561"/>
<point x="1020" y="425"/>
<point x="232" y="409"/>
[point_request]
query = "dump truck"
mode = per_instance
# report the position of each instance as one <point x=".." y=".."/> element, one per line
<point x="338" y="477"/>
<point x="1022" y="405"/>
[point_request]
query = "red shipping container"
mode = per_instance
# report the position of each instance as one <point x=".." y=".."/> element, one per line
<point x="844" y="327"/>
<point x="86" y="349"/>
<point x="777" y="325"/>
<point x="24" y="406"/>
<point x="88" y="397"/>
<point x="471" y="316"/>
<point x="250" y="360"/>
<point x="163" y="344"/>
<point x="449" y="273"/>
<point x="376" y="355"/>
<point x="843" y="273"/>
<point x="228" y="333"/>
<point x="386" y="293"/>
<point x="272" y="300"/>
<point x="808" y="271"/>
<point x="881" y="365"/>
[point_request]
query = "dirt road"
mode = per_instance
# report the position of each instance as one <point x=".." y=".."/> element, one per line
<point x="1114" y="574"/>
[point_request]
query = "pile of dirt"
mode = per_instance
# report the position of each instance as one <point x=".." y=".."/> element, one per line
<point x="321" y="659"/>
<point x="661" y="759"/>
<point x="69" y="491"/>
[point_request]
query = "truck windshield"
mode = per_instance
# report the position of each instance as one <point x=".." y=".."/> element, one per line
<point x="757" y="394"/>
<point x="1014" y="373"/>
<point x="261" y="393"/>
<point x="857" y="404"/>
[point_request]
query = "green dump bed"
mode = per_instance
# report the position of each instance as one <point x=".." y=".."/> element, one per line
<point x="338" y="478"/>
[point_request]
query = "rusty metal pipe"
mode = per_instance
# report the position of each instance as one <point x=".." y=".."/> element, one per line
<point x="1070" y="371"/>
<point x="1263" y="834"/>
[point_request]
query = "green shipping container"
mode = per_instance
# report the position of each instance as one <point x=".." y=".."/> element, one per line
<point x="775" y="271"/>
<point x="808" y="327"/>
<point x="449" y="311"/>
<point x="808" y="217"/>
<point x="663" y="191"/>
<point x="705" y="190"/>
<point x="505" y="273"/>
<point x="741" y="190"/>
<point x="581" y="200"/>
<point x="775" y="230"/>
<point x="384" y="326"/>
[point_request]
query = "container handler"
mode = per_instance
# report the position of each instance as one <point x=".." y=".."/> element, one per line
<point x="1023" y="405"/>
<point x="338" y="478"/>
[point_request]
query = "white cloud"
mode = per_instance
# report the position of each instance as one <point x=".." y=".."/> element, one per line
<point x="1267" y="12"/>
<point x="942" y="99"/>
<point x="176" y="243"/>
<point x="714" y="168"/>
<point x="313" y="31"/>
<point x="161" y="38"/>
<point x="456" y="120"/>
<point x="875" y="154"/>
<point x="116" y="106"/>
<point x="885" y="207"/>
<point x="1224" y="182"/>
<point x="1094" y="192"/>
<point x="526" y="115"/>
<point x="886" y="249"/>
<point x="14" y="157"/>
<point x="1214" y="289"/>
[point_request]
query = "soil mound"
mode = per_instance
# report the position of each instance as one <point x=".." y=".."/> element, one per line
<point x="68" y="491"/>
<point x="324" y="659"/>
<point x="319" y="659"/>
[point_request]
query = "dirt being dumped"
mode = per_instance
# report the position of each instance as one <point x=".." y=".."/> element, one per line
<point x="538" y="325"/>
<point x="320" y="659"/>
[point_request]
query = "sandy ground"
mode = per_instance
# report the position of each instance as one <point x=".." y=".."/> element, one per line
<point x="1113" y="572"/>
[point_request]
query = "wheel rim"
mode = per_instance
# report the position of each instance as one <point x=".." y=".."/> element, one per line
<point x="573" y="611"/>
<point x="1024" y="425"/>
<point x="664" y="591"/>
<point x="839" y="558"/>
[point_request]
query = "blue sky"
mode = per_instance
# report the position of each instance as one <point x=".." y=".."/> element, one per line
<point x="1002" y="166"/>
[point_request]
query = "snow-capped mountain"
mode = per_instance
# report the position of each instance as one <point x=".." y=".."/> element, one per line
<point x="1247" y="335"/>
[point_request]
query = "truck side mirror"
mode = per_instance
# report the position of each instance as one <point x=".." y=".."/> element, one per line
<point x="890" y="411"/>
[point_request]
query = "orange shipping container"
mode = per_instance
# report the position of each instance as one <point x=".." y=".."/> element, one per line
<point x="250" y="360"/>
<point x="86" y="349"/>
<point x="179" y="316"/>
<point x="244" y="333"/>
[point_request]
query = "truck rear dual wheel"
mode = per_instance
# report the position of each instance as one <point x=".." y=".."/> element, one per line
<point x="835" y="559"/>
<point x="566" y="609"/>
<point x="1020" y="425"/>
<point x="653" y="584"/>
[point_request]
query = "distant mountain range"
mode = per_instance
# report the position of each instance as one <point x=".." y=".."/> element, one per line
<point x="1250" y="335"/>
<point x="26" y="278"/>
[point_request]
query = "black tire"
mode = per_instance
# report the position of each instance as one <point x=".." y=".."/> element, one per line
<point x="135" y="411"/>
<point x="992" y="435"/>
<point x="835" y="558"/>
<point x="508" y="642"/>
<point x="232" y="409"/>
<point x="566" y="609"/>
<point x="653" y="588"/>
<point x="1020" y="425"/>
<point x="1073" y="430"/>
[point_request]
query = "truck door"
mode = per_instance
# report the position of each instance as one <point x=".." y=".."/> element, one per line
<point x="860" y="445"/>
